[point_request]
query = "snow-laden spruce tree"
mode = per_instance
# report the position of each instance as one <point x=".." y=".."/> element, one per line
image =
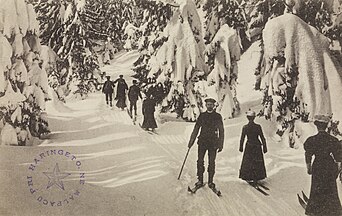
<point x="222" y="79"/>
<point x="224" y="20"/>
<point x="178" y="65"/>
<point x="23" y="82"/>
<point x="64" y="28"/>
<point x="301" y="79"/>
<point x="155" y="16"/>
<point x="105" y="24"/>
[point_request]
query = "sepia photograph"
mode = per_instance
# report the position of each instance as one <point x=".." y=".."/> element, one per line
<point x="170" y="107"/>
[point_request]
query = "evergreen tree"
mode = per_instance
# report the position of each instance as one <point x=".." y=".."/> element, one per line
<point x="23" y="82"/>
<point x="64" y="26"/>
<point x="154" y="18"/>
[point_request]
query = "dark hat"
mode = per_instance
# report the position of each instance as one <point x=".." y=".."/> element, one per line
<point x="212" y="100"/>
<point x="322" y="118"/>
<point x="121" y="75"/>
<point x="134" y="81"/>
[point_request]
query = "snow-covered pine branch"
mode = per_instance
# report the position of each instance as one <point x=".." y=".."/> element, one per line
<point x="225" y="50"/>
<point x="300" y="73"/>
<point x="23" y="83"/>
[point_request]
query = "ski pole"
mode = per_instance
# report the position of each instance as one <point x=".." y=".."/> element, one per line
<point x="180" y="173"/>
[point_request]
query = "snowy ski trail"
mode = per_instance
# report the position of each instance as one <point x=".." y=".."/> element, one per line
<point x="130" y="172"/>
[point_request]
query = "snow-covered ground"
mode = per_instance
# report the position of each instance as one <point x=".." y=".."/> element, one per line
<point x="131" y="172"/>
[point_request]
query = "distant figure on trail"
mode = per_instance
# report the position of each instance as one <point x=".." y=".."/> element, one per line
<point x="148" y="109"/>
<point x="211" y="139"/>
<point x="325" y="168"/>
<point x="108" y="89"/>
<point x="133" y="96"/>
<point x="121" y="92"/>
<point x="252" y="166"/>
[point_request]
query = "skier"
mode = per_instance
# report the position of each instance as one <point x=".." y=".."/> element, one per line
<point x="148" y="109"/>
<point x="121" y="92"/>
<point x="133" y="96"/>
<point x="211" y="139"/>
<point x="252" y="165"/>
<point x="108" y="89"/>
<point x="324" y="198"/>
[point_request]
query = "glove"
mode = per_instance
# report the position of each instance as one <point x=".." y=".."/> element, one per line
<point x="264" y="149"/>
<point x="219" y="149"/>
<point x="241" y="149"/>
<point x="190" y="144"/>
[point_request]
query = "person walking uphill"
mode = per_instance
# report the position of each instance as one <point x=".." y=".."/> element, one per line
<point x="121" y="92"/>
<point x="108" y="89"/>
<point x="211" y="139"/>
<point x="324" y="170"/>
<point x="133" y="96"/>
<point x="252" y="165"/>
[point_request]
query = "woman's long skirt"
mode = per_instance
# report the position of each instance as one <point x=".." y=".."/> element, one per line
<point x="253" y="165"/>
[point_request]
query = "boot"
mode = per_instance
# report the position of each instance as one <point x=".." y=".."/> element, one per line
<point x="211" y="185"/>
<point x="210" y="178"/>
<point x="199" y="183"/>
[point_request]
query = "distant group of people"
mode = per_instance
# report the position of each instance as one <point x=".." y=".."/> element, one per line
<point x="324" y="169"/>
<point x="134" y="93"/>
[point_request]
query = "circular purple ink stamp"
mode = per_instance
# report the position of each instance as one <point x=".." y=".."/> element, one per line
<point x="55" y="178"/>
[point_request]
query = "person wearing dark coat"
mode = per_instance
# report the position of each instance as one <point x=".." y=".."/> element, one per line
<point x="211" y="139"/>
<point x="148" y="109"/>
<point x="252" y="166"/>
<point x="108" y="89"/>
<point x="121" y="92"/>
<point x="133" y="96"/>
<point x="324" y="170"/>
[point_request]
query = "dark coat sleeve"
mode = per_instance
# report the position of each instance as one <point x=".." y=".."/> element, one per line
<point x="221" y="132"/>
<point x="242" y="138"/>
<point x="262" y="137"/>
<point x="337" y="150"/>
<point x="308" y="150"/>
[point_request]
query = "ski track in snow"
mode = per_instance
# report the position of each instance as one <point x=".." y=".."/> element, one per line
<point x="119" y="156"/>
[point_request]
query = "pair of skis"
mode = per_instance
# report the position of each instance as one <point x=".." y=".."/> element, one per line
<point x="303" y="201"/>
<point x="194" y="189"/>
<point x="259" y="187"/>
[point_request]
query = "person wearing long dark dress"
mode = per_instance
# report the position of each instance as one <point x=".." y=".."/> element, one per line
<point x="121" y="92"/>
<point x="252" y="165"/>
<point x="324" y="170"/>
<point x="148" y="109"/>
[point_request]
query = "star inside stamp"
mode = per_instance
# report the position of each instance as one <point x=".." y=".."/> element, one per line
<point x="55" y="178"/>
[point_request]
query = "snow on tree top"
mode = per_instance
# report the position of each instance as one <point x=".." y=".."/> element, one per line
<point x="80" y="4"/>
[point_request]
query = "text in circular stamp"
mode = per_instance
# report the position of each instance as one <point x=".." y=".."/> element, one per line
<point x="55" y="178"/>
